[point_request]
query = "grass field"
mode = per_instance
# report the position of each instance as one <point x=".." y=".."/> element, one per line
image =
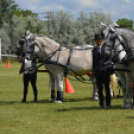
<point x="78" y="114"/>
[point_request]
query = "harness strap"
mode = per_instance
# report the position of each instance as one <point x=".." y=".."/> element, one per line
<point x="53" y="53"/>
<point x="59" y="49"/>
<point x="68" y="62"/>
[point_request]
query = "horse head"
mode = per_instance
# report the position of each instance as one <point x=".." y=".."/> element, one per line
<point x="25" y="45"/>
<point x="30" y="45"/>
<point x="108" y="28"/>
<point x="113" y="47"/>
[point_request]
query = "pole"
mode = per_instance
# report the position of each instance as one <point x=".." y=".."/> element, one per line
<point x="133" y="93"/>
<point x="0" y="49"/>
<point x="48" y="16"/>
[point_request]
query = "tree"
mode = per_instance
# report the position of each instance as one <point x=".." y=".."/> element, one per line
<point x="23" y="13"/>
<point x="94" y="26"/>
<point x="10" y="35"/>
<point x="34" y="24"/>
<point x="68" y="31"/>
<point x="126" y="23"/>
<point x="7" y="6"/>
<point x="60" y="27"/>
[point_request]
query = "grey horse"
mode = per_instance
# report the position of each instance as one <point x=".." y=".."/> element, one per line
<point x="117" y="46"/>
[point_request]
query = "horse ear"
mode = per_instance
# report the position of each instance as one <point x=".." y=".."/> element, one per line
<point x="27" y="32"/>
<point x="103" y="24"/>
<point x="115" y="24"/>
<point x="111" y="29"/>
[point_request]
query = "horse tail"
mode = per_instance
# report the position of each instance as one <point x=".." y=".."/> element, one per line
<point x="114" y="83"/>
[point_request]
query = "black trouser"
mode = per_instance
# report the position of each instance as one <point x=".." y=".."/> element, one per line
<point x="26" y="79"/>
<point x="105" y="81"/>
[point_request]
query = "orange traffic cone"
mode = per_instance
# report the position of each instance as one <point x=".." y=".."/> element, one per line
<point x="8" y="65"/>
<point x="68" y="86"/>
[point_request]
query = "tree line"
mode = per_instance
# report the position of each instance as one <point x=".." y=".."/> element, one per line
<point x="64" y="27"/>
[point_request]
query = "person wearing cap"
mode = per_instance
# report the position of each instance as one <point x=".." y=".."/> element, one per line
<point x="102" y="76"/>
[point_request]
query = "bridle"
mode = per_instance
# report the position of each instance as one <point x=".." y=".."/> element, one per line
<point x="19" y="49"/>
<point x="113" y="47"/>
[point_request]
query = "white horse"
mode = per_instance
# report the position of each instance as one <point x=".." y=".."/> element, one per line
<point x="114" y="48"/>
<point x="78" y="60"/>
<point x="21" y="50"/>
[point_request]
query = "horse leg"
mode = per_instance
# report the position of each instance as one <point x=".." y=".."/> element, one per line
<point x="113" y="85"/>
<point x="125" y="97"/>
<point x="111" y="91"/>
<point x="123" y="82"/>
<point x="129" y="91"/>
<point x="96" y="96"/>
<point x="52" y="85"/>
<point x="59" y="86"/>
<point x="95" y="92"/>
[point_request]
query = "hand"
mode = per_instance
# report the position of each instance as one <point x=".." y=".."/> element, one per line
<point x="91" y="73"/>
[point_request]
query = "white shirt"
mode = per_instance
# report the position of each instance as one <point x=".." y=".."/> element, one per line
<point x="28" y="64"/>
<point x="99" y="48"/>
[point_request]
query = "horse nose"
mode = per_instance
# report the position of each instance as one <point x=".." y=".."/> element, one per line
<point x="107" y="53"/>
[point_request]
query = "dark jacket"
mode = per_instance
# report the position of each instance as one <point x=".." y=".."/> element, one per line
<point x="98" y="63"/>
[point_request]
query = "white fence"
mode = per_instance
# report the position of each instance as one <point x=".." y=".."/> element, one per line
<point x="5" y="55"/>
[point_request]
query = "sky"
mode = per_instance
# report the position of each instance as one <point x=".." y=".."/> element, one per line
<point x="117" y="8"/>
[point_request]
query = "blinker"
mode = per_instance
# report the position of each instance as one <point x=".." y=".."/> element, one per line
<point x="113" y="37"/>
<point x="22" y="41"/>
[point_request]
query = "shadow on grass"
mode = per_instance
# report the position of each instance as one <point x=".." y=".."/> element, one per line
<point x="115" y="107"/>
<point x="130" y="117"/>
<point x="47" y="101"/>
<point x="118" y="97"/>
<point x="28" y="102"/>
<point x="65" y="101"/>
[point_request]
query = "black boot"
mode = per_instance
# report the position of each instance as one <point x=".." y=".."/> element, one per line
<point x="35" y="95"/>
<point x="23" y="100"/>
<point x="52" y="94"/>
<point x="59" y="96"/>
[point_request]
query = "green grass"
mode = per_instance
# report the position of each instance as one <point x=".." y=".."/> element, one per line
<point x="77" y="115"/>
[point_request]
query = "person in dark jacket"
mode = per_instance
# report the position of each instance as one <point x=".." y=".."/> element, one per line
<point x="102" y="77"/>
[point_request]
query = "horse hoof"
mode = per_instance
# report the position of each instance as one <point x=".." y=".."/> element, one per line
<point x="51" y="100"/>
<point x="92" y="98"/>
<point x="123" y="106"/>
<point x="57" y="101"/>
<point x="96" y="98"/>
<point x="129" y="105"/>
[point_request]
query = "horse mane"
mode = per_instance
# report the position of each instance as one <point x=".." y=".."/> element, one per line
<point x="47" y="39"/>
<point x="77" y="47"/>
<point x="127" y="34"/>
